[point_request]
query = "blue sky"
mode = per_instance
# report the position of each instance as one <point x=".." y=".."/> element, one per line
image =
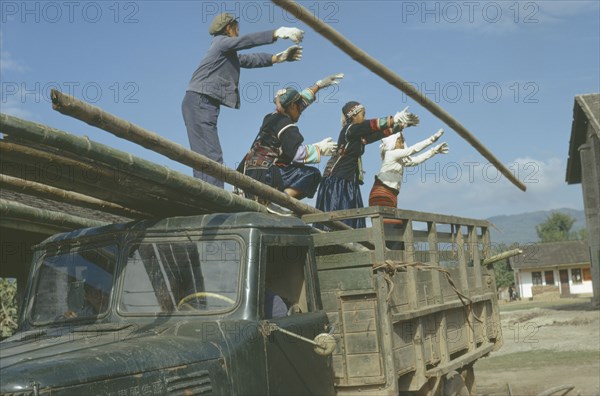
<point x="507" y="70"/>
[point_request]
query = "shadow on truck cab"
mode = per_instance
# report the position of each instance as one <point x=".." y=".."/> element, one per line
<point x="172" y="306"/>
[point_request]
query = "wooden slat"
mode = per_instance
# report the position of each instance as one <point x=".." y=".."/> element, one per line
<point x="385" y="321"/>
<point x="474" y="245"/>
<point x="413" y="303"/>
<point x="378" y="238"/>
<point x="345" y="260"/>
<point x="340" y="237"/>
<point x="432" y="309"/>
<point x="462" y="260"/>
<point x="435" y="260"/>
<point x="357" y="278"/>
<point x="333" y="216"/>
<point x="461" y="361"/>
<point x="388" y="212"/>
<point x="464" y="274"/>
<point x="409" y="256"/>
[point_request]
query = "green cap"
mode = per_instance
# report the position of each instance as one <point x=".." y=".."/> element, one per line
<point x="287" y="96"/>
<point x="219" y="23"/>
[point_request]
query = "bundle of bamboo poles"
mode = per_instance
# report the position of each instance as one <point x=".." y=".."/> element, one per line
<point x="99" y="118"/>
<point x="45" y="162"/>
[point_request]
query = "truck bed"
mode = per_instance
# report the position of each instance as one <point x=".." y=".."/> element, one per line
<point x="411" y="302"/>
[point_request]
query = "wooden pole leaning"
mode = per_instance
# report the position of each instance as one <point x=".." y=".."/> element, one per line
<point x="392" y="78"/>
<point x="99" y="118"/>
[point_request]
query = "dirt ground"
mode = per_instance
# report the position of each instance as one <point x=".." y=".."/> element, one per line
<point x="546" y="345"/>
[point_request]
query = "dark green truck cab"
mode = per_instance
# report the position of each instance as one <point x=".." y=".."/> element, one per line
<point x="185" y="306"/>
<point x="176" y="306"/>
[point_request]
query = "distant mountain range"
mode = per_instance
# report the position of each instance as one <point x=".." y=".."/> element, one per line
<point x="520" y="228"/>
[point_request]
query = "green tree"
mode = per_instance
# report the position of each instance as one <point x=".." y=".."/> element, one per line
<point x="8" y="307"/>
<point x="502" y="271"/>
<point x="582" y="234"/>
<point x="557" y="227"/>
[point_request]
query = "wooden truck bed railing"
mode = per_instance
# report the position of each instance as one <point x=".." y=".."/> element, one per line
<point x="412" y="304"/>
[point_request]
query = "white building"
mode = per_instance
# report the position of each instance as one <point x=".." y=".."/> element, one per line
<point x="564" y="267"/>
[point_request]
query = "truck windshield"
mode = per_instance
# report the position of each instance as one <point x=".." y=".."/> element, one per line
<point x="74" y="285"/>
<point x="195" y="277"/>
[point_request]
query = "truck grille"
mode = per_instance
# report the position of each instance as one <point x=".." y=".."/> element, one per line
<point x="197" y="383"/>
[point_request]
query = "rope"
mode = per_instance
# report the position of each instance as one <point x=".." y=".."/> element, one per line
<point x="391" y="267"/>
<point x="266" y="328"/>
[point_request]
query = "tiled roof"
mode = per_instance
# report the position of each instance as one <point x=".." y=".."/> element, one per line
<point x="552" y="254"/>
<point x="586" y="112"/>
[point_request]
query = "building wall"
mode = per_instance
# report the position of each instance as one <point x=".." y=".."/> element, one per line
<point x="576" y="286"/>
<point x="590" y="172"/>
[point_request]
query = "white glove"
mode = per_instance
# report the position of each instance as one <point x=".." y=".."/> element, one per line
<point x="294" y="34"/>
<point x="334" y="79"/>
<point x="437" y="135"/>
<point x="294" y="53"/>
<point x="406" y="119"/>
<point x="441" y="148"/>
<point x="327" y="147"/>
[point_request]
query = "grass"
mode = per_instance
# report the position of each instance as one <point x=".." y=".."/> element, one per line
<point x="558" y="304"/>
<point x="540" y="358"/>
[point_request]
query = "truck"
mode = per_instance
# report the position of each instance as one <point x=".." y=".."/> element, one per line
<point x="185" y="306"/>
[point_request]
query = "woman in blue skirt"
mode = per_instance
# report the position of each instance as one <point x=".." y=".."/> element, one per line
<point x="278" y="156"/>
<point x="340" y="187"/>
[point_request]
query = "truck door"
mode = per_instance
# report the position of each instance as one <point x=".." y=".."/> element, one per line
<point x="293" y="367"/>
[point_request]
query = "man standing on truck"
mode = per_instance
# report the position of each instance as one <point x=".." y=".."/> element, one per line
<point x="215" y="81"/>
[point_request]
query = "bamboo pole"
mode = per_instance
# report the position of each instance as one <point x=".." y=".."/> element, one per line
<point x="501" y="256"/>
<point x="126" y="164"/>
<point x="60" y="171"/>
<point x="392" y="78"/>
<point x="11" y="209"/>
<point x="45" y="191"/>
<point x="99" y="118"/>
<point x="95" y="179"/>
